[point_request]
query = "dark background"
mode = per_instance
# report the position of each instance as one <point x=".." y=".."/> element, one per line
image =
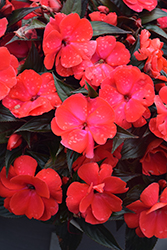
<point x="25" y="234"/>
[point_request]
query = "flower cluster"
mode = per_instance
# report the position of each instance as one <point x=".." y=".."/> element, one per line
<point x="83" y="116"/>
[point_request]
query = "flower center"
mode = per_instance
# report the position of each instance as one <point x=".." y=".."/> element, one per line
<point x="30" y="186"/>
<point x="34" y="98"/>
<point x="126" y="98"/>
<point x="84" y="125"/>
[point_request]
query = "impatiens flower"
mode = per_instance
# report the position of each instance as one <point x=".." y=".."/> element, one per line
<point x="151" y="49"/>
<point x="104" y="16"/>
<point x="108" y="55"/>
<point x="67" y="38"/>
<point x="158" y="124"/>
<point x="101" y="153"/>
<point x="139" y="5"/>
<point x="54" y="5"/>
<point x="14" y="141"/>
<point x="3" y="25"/>
<point x="80" y="121"/>
<point x="36" y="196"/>
<point x="162" y="21"/>
<point x="95" y="199"/>
<point x="8" y="71"/>
<point x="150" y="214"/>
<point x="33" y="94"/>
<point x="130" y="92"/>
<point x="155" y="158"/>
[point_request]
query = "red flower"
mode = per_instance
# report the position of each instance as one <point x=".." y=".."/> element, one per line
<point x="101" y="152"/>
<point x="14" y="141"/>
<point x="80" y="121"/>
<point x="158" y="124"/>
<point x="162" y="21"/>
<point x="155" y="158"/>
<point x="32" y="95"/>
<point x="139" y="5"/>
<point x="67" y="37"/>
<point x="150" y="214"/>
<point x="35" y="196"/>
<point x="55" y="5"/>
<point x="104" y="16"/>
<point x="108" y="55"/>
<point x="8" y="66"/>
<point x="151" y="49"/>
<point x="3" y="26"/>
<point x="95" y="199"/>
<point x="129" y="92"/>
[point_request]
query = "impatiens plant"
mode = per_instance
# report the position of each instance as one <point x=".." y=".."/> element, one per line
<point x="83" y="118"/>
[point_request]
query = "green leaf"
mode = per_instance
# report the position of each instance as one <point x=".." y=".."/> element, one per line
<point x="6" y="129"/>
<point x="72" y="6"/>
<point x="63" y="90"/>
<point x="2" y="3"/>
<point x="138" y="243"/>
<point x="84" y="4"/>
<point x="10" y="156"/>
<point x="91" y="92"/>
<point x="4" y="212"/>
<point x="33" y="60"/>
<point x="18" y="14"/>
<point x="148" y="16"/>
<point x="102" y="28"/>
<point x="71" y="157"/>
<point x="69" y="236"/>
<point x="6" y="115"/>
<point x="124" y="134"/>
<point x="157" y="31"/>
<point x="100" y="234"/>
<point x="38" y="124"/>
<point x="118" y="6"/>
<point x="35" y="24"/>
<point x="39" y="157"/>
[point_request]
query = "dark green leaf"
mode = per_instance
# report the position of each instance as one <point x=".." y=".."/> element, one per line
<point x="6" y="129"/>
<point x="138" y="243"/>
<point x="124" y="134"/>
<point x="102" y="28"/>
<point x="81" y="90"/>
<point x="39" y="157"/>
<point x="69" y="236"/>
<point x="72" y="6"/>
<point x="33" y="60"/>
<point x="63" y="90"/>
<point x="6" y="115"/>
<point x="91" y="92"/>
<point x="148" y="16"/>
<point x="38" y="124"/>
<point x="118" y="6"/>
<point x="84" y="4"/>
<point x="10" y="156"/>
<point x="133" y="148"/>
<point x="100" y="234"/>
<point x="18" y="14"/>
<point x="119" y="215"/>
<point x="157" y="31"/>
<point x="2" y="3"/>
<point x="133" y="194"/>
<point x="71" y="157"/>
<point x="35" y="24"/>
<point x="4" y="212"/>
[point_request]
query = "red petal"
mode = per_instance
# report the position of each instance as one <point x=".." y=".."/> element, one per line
<point x="3" y="26"/>
<point x="70" y="56"/>
<point x="105" y="45"/>
<point x="68" y="24"/>
<point x="53" y="181"/>
<point x="77" y="140"/>
<point x="25" y="165"/>
<point x="5" y="58"/>
<point x="51" y="208"/>
<point x="100" y="208"/>
<point x="105" y="171"/>
<point x="40" y="186"/>
<point x="134" y="110"/>
<point x="86" y="201"/>
<point x="28" y="203"/>
<point x="119" y="55"/>
<point x="75" y="193"/>
<point x="150" y="195"/>
<point x="115" y="185"/>
<point x="93" y="170"/>
<point x="52" y="42"/>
